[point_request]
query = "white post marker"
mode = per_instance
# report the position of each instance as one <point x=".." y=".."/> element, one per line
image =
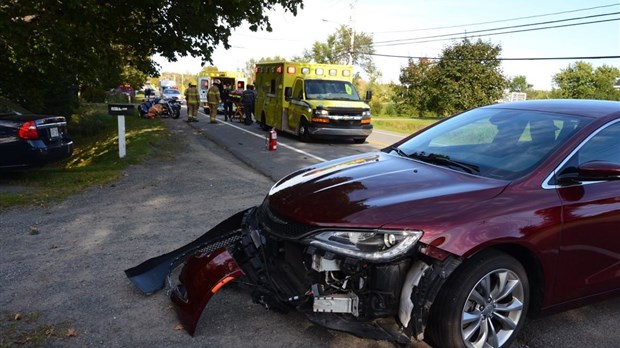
<point x="121" y="136"/>
<point x="120" y="110"/>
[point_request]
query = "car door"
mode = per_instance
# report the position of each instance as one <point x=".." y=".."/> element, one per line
<point x="590" y="241"/>
<point x="296" y="106"/>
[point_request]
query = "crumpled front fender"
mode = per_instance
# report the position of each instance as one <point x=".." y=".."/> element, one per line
<point x="201" y="277"/>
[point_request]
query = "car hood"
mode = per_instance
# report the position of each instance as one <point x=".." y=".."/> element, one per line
<point x="370" y="190"/>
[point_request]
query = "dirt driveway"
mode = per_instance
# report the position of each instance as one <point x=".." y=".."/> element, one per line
<point x="61" y="266"/>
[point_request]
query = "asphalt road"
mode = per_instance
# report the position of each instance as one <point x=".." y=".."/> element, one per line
<point x="61" y="265"/>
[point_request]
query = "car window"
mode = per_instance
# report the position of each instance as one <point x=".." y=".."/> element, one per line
<point x="603" y="146"/>
<point x="501" y="143"/>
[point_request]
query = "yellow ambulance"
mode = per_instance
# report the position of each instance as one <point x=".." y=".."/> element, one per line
<point x="311" y="101"/>
<point x="236" y="80"/>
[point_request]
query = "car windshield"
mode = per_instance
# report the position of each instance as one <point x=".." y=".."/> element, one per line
<point x="330" y="90"/>
<point x="496" y="143"/>
<point x="171" y="91"/>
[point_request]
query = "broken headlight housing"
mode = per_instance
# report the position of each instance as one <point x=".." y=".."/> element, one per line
<point x="376" y="245"/>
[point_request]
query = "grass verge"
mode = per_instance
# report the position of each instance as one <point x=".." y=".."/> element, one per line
<point x="402" y="124"/>
<point x="95" y="159"/>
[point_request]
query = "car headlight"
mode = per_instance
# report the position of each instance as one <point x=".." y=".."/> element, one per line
<point x="366" y="113"/>
<point x="377" y="245"/>
<point x="321" y="112"/>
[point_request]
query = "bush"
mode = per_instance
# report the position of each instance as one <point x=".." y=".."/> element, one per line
<point x="115" y="97"/>
<point x="390" y="109"/>
<point x="93" y="95"/>
<point x="90" y="121"/>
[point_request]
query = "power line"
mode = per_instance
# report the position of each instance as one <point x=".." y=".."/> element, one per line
<point x="501" y="59"/>
<point x="415" y="40"/>
<point x="496" y="21"/>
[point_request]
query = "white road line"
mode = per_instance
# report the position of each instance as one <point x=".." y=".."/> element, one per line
<point x="321" y="159"/>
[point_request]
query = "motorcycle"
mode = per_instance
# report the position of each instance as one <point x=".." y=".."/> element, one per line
<point x="162" y="107"/>
<point x="172" y="107"/>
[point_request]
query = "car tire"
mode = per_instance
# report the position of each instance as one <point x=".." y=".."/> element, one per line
<point x="304" y="134"/>
<point x="359" y="140"/>
<point x="484" y="302"/>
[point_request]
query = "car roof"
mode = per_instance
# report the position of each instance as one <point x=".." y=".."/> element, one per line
<point x="581" y="107"/>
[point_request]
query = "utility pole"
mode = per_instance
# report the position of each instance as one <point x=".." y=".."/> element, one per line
<point x="352" y="31"/>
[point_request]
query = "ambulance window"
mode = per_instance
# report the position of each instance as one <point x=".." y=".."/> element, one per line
<point x="298" y="92"/>
<point x="272" y="87"/>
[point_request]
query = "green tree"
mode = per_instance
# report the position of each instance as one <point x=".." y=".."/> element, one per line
<point x="582" y="81"/>
<point x="337" y="49"/>
<point x="415" y="91"/>
<point x="519" y="84"/>
<point x="467" y="75"/>
<point x="51" y="49"/>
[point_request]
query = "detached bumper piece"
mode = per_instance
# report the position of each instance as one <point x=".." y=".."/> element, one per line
<point x="201" y="277"/>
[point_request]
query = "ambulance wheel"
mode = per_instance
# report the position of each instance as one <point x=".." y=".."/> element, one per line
<point x="206" y="109"/>
<point x="359" y="140"/>
<point x="304" y="134"/>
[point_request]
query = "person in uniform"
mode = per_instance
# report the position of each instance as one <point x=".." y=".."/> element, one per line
<point x="248" y="97"/>
<point x="192" y="98"/>
<point x="214" y="99"/>
<point x="228" y="103"/>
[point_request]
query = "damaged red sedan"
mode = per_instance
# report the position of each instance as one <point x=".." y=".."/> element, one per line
<point x="452" y="235"/>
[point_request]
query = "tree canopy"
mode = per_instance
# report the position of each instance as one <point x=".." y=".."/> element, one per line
<point x="467" y="75"/>
<point x="51" y="49"/>
<point x="581" y="81"/>
<point x="337" y="50"/>
<point x="519" y="84"/>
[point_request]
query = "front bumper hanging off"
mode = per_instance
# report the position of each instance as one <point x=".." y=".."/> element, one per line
<point x="237" y="248"/>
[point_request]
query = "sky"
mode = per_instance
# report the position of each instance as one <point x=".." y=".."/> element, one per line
<point x="389" y="20"/>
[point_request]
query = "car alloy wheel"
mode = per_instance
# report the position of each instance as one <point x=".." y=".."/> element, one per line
<point x="493" y="309"/>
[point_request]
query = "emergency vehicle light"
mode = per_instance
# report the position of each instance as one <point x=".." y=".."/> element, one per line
<point x="319" y="71"/>
<point x="333" y="72"/>
<point x="279" y="70"/>
<point x="346" y="72"/>
<point x="291" y="69"/>
<point x="305" y="70"/>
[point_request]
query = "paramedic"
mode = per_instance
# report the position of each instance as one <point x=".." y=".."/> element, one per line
<point x="213" y="99"/>
<point x="193" y="100"/>
<point x="248" y="98"/>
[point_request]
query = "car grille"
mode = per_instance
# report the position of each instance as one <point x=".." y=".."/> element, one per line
<point x="277" y="225"/>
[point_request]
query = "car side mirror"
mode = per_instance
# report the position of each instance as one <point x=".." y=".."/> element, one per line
<point x="368" y="96"/>
<point x="288" y="93"/>
<point x="591" y="171"/>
